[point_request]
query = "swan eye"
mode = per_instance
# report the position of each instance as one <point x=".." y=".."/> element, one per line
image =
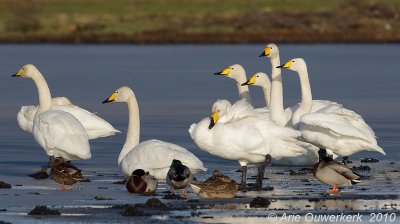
<point x="292" y="61"/>
<point x="258" y="76"/>
<point x="116" y="92"/>
<point x="232" y="68"/>
<point x="271" y="47"/>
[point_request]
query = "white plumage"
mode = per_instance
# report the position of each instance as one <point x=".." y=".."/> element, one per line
<point x="94" y="125"/>
<point x="245" y="135"/>
<point x="59" y="133"/>
<point x="341" y="130"/>
<point x="153" y="156"/>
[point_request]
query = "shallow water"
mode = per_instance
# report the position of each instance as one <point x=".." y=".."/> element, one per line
<point x="175" y="87"/>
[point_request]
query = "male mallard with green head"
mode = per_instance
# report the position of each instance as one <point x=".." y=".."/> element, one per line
<point x="179" y="176"/>
<point x="141" y="182"/>
<point x="334" y="173"/>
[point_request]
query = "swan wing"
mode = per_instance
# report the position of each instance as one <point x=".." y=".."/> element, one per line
<point x="25" y="117"/>
<point x="94" y="125"/>
<point x="61" y="135"/>
<point x="156" y="156"/>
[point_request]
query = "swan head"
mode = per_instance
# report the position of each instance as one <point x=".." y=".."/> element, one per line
<point x="27" y="71"/>
<point x="218" y="110"/>
<point x="295" y="64"/>
<point x="270" y="50"/>
<point x="235" y="72"/>
<point x="120" y="95"/>
<point x="259" y="79"/>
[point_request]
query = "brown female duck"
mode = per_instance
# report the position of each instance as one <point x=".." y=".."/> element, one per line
<point x="217" y="186"/>
<point x="65" y="173"/>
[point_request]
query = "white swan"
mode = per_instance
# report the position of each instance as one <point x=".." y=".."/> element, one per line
<point x="278" y="113"/>
<point x="59" y="133"/>
<point x="154" y="156"/>
<point x="95" y="126"/>
<point x="237" y="73"/>
<point x="335" y="127"/>
<point x="241" y="133"/>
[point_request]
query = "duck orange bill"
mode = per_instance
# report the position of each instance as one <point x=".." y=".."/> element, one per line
<point x="109" y="99"/>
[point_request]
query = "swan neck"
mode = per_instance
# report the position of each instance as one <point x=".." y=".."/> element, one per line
<point x="133" y="134"/>
<point x="267" y="96"/>
<point x="306" y="96"/>
<point x="276" y="107"/>
<point x="243" y="90"/>
<point x="43" y="92"/>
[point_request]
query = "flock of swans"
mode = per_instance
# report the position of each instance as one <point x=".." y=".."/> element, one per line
<point x="312" y="132"/>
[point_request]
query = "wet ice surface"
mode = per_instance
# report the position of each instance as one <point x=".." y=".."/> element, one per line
<point x="292" y="194"/>
<point x="175" y="87"/>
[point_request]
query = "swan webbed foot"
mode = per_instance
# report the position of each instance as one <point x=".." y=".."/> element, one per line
<point x="261" y="172"/>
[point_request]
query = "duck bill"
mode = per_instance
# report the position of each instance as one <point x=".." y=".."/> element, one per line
<point x="109" y="99"/>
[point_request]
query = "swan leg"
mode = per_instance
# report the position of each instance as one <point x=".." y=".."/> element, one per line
<point x="322" y="154"/>
<point x="261" y="172"/>
<point x="345" y="160"/>
<point x="243" y="183"/>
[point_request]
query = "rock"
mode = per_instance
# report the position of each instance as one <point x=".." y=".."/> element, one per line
<point x="260" y="202"/>
<point x="155" y="203"/>
<point x="292" y="172"/>
<point x="86" y="180"/>
<point x="361" y="167"/>
<point x="43" y="210"/>
<point x="3" y="222"/>
<point x="5" y="185"/>
<point x="369" y="160"/>
<point x="120" y="182"/>
<point x="173" y="196"/>
<point x="101" y="198"/>
<point x="132" y="211"/>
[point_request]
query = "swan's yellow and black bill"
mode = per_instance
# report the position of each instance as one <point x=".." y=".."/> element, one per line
<point x="110" y="99"/>
<point x="19" y="73"/>
<point x="266" y="52"/>
<point x="213" y="120"/>
<point x="251" y="81"/>
<point x="286" y="65"/>
<point x="223" y="72"/>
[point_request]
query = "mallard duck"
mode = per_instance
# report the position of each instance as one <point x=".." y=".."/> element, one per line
<point x="334" y="173"/>
<point x="179" y="176"/>
<point x="141" y="182"/>
<point x="216" y="187"/>
<point x="65" y="173"/>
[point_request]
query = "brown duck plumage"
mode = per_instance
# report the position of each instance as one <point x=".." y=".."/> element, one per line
<point x="65" y="173"/>
<point x="216" y="186"/>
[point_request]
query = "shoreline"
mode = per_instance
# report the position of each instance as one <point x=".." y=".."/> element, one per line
<point x="175" y="38"/>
